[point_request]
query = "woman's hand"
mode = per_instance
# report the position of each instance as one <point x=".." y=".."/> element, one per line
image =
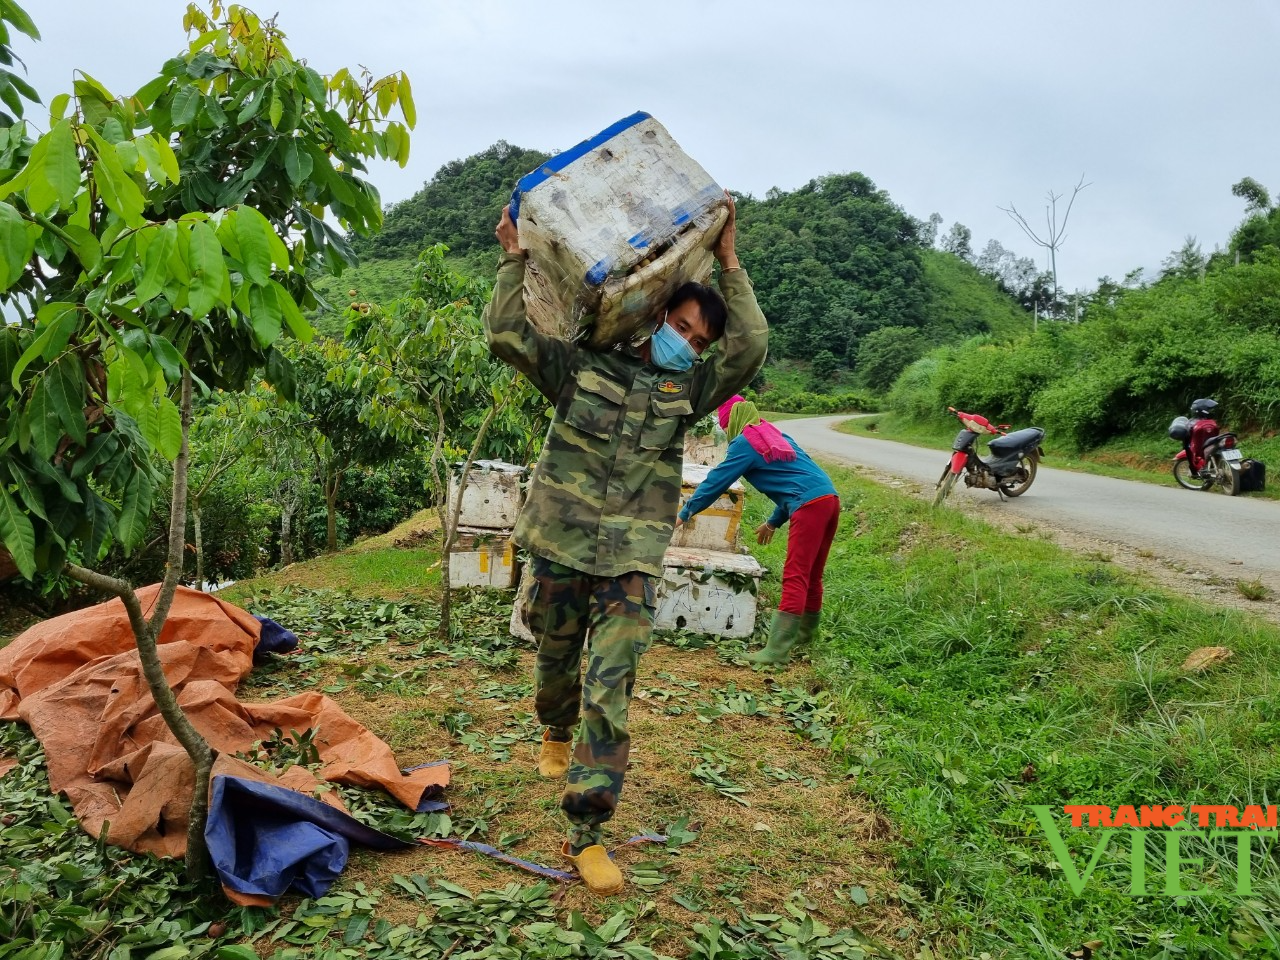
<point x="764" y="533"/>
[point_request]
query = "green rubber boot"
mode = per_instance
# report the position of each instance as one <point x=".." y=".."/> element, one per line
<point x="809" y="627"/>
<point x="782" y="636"/>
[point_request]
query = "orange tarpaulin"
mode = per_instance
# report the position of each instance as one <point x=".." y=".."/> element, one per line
<point x="77" y="681"/>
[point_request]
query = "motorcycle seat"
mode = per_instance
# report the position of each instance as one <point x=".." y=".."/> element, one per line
<point x="1016" y="442"/>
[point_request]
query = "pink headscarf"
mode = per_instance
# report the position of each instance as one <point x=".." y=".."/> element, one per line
<point x="763" y="436"/>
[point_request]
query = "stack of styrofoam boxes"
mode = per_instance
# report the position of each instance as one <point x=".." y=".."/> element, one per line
<point x="482" y="554"/>
<point x="613" y="226"/>
<point x="708" y="585"/>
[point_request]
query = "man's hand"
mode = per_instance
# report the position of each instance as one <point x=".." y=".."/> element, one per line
<point x="679" y="523"/>
<point x="764" y="533"/>
<point x="725" y="249"/>
<point x="507" y="233"/>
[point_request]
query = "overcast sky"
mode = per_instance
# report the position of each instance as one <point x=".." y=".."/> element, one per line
<point x="958" y="108"/>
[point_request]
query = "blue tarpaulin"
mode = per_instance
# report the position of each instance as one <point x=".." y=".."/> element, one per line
<point x="265" y="839"/>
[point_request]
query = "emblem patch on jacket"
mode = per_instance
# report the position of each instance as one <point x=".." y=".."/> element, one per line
<point x="670" y="386"/>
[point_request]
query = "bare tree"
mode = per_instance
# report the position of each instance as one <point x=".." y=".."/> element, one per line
<point x="1055" y="233"/>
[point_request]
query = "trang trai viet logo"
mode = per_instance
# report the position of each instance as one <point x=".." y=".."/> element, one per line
<point x="1185" y="835"/>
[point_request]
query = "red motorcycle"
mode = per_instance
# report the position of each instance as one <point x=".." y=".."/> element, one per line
<point x="1209" y="458"/>
<point x="1009" y="471"/>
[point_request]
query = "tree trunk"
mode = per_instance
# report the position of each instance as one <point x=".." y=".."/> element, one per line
<point x="195" y="525"/>
<point x="286" y="533"/>
<point x="146" y="633"/>
<point x="331" y="504"/>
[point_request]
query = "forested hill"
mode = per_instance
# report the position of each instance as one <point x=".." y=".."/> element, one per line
<point x="851" y="289"/>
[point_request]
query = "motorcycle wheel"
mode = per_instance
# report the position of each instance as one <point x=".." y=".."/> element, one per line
<point x="1186" y="480"/>
<point x="1019" y="487"/>
<point x="944" y="487"/>
<point x="1228" y="479"/>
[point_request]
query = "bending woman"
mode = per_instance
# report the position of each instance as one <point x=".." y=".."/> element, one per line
<point x="801" y="492"/>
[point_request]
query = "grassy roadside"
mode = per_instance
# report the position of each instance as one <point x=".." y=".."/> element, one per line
<point x="981" y="673"/>
<point x="1148" y="460"/>
<point x="965" y="675"/>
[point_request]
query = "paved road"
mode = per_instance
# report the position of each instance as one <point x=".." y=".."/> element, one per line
<point x="1237" y="537"/>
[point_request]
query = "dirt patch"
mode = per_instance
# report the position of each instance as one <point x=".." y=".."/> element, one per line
<point x="801" y="833"/>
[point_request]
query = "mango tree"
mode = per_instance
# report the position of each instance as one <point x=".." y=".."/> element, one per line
<point x="431" y="376"/>
<point x="156" y="244"/>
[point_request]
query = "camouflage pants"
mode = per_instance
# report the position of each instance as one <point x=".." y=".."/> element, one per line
<point x="612" y="617"/>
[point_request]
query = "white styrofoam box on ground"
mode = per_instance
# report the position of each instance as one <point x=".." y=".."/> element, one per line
<point x="708" y="591"/>
<point x="715" y="528"/>
<point x="492" y="495"/>
<point x="482" y="557"/>
<point x="612" y="227"/>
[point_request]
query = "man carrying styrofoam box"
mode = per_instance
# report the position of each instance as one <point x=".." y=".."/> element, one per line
<point x="601" y="509"/>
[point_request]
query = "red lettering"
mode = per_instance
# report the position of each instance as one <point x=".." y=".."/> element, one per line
<point x="1253" y="817"/>
<point x="1126" y="816"/>
<point x="1173" y="815"/>
<point x="1228" y="816"/>
<point x="1152" y="815"/>
<point x="1076" y="812"/>
<point x="1202" y="812"/>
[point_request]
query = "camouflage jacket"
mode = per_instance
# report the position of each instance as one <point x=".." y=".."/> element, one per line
<point x="604" y="495"/>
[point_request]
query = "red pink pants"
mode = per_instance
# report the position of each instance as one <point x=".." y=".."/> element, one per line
<point x="813" y="527"/>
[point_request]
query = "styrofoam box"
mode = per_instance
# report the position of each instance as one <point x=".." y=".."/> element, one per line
<point x="612" y="227"/>
<point x="717" y="527"/>
<point x="694" y="596"/>
<point x="482" y="557"/>
<point x="492" y="495"/>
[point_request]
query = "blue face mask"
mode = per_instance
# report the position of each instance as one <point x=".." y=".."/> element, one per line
<point x="669" y="350"/>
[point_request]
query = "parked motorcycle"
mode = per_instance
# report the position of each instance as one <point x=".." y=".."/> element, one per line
<point x="1210" y="457"/>
<point x="1009" y="471"/>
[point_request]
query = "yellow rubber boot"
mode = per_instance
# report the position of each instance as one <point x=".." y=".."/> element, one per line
<point x="553" y="758"/>
<point x="600" y="874"/>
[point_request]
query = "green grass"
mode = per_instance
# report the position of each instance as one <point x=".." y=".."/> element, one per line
<point x="1149" y="460"/>
<point x="965" y="676"/>
<point x="981" y="673"/>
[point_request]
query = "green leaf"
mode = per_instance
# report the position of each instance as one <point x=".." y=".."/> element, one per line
<point x="168" y="159"/>
<point x="276" y="110"/>
<point x="18" y="17"/>
<point x="16" y="245"/>
<point x="208" y="269"/>
<point x="252" y="106"/>
<point x="135" y="510"/>
<point x="58" y="321"/>
<point x="58" y="107"/>
<point x="57" y="405"/>
<point x="62" y="165"/>
<point x="313" y="84"/>
<point x="406" y="101"/>
<point x="18" y="534"/>
<point x="85" y="246"/>
<point x="186" y="101"/>
<point x="293" y="317"/>
<point x="297" y="163"/>
<point x="115" y="186"/>
<point x="29" y="494"/>
<point x="235" y="951"/>
<point x="146" y="146"/>
<point x="252" y="234"/>
<point x="168" y="357"/>
<point x="155" y="262"/>
<point x="264" y="315"/>
<point x="169" y="430"/>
